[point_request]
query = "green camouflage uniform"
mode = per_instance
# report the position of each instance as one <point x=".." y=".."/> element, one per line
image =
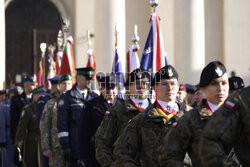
<point x="110" y="129"/>
<point x="184" y="138"/>
<point x="143" y="137"/>
<point x="229" y="127"/>
<point x="28" y="137"/>
<point x="48" y="126"/>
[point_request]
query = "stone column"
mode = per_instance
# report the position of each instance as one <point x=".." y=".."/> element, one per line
<point x="2" y="45"/>
<point x="109" y="13"/>
<point x="214" y="30"/>
<point x="189" y="41"/>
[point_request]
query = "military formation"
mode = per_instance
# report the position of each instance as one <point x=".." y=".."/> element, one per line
<point x="160" y="123"/>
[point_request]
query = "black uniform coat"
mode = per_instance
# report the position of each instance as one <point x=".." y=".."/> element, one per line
<point x="70" y="107"/>
<point x="90" y="120"/>
<point x="16" y="105"/>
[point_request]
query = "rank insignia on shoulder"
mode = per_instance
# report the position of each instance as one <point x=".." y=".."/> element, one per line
<point x="107" y="113"/>
<point x="229" y="104"/>
<point x="174" y="124"/>
<point x="61" y="103"/>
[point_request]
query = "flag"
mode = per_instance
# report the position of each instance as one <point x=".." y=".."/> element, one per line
<point x="154" y="55"/>
<point x="40" y="75"/>
<point x="132" y="59"/>
<point x="51" y="72"/>
<point x="91" y="60"/>
<point x="59" y="56"/>
<point x="68" y="64"/>
<point x="117" y="71"/>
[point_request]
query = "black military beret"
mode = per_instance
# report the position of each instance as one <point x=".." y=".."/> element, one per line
<point x="87" y="72"/>
<point x="190" y="88"/>
<point x="55" y="80"/>
<point x="166" y="72"/>
<point x="138" y="73"/>
<point x="236" y="83"/>
<point x="107" y="81"/>
<point x="213" y="70"/>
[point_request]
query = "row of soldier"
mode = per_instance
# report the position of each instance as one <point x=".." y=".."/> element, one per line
<point x="77" y="127"/>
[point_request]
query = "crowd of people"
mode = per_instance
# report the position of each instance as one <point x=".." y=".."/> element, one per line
<point x="161" y="122"/>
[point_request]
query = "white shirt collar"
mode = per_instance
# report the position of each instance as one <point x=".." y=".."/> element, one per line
<point x="140" y="103"/>
<point x="169" y="106"/>
<point x="212" y="106"/>
<point x="82" y="91"/>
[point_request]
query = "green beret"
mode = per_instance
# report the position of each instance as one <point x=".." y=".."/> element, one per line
<point x="65" y="77"/>
<point x="37" y="90"/>
<point x="87" y="72"/>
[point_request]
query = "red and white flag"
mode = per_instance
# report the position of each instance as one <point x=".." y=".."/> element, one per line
<point x="91" y="60"/>
<point x="59" y="56"/>
<point x="68" y="64"/>
<point x="154" y="55"/>
<point x="132" y="58"/>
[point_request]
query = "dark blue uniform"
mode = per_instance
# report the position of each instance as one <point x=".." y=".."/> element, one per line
<point x="70" y="107"/>
<point x="90" y="120"/>
<point x="6" y="147"/>
<point x="16" y="105"/>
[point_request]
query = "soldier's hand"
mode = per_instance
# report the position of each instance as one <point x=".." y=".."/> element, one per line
<point x="80" y="163"/>
<point x="67" y="154"/>
<point x="47" y="153"/>
<point x="18" y="156"/>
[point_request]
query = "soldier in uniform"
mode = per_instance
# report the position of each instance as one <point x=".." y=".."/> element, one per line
<point x="27" y="136"/>
<point x="48" y="124"/>
<point x="229" y="127"/>
<point x="235" y="83"/>
<point x="18" y="102"/>
<point x="143" y="135"/>
<point x="116" y="118"/>
<point x="93" y="116"/>
<point x="184" y="137"/>
<point x="70" y="108"/>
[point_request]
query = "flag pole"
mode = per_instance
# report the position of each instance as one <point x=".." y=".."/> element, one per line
<point x="135" y="38"/>
<point x="116" y="36"/>
<point x="154" y="4"/>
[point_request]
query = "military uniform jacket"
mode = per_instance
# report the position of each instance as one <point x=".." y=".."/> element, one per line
<point x="143" y="137"/>
<point x="27" y="136"/>
<point x="90" y="121"/>
<point x="229" y="127"/>
<point x="114" y="122"/>
<point x="70" y="108"/>
<point x="184" y="138"/>
<point x="48" y="124"/>
<point x="16" y="105"/>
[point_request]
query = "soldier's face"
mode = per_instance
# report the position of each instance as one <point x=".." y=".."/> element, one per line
<point x="217" y="91"/>
<point x="167" y="89"/>
<point x="110" y="94"/>
<point x="83" y="82"/>
<point x="198" y="96"/>
<point x="140" y="88"/>
<point x="65" y="86"/>
<point x="28" y="87"/>
<point x="181" y="95"/>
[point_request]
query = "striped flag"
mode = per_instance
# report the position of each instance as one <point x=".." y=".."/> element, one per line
<point x="154" y="55"/>
<point x="68" y="64"/>
<point x="59" y="56"/>
<point x="40" y="80"/>
<point x="132" y="58"/>
<point x="91" y="60"/>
